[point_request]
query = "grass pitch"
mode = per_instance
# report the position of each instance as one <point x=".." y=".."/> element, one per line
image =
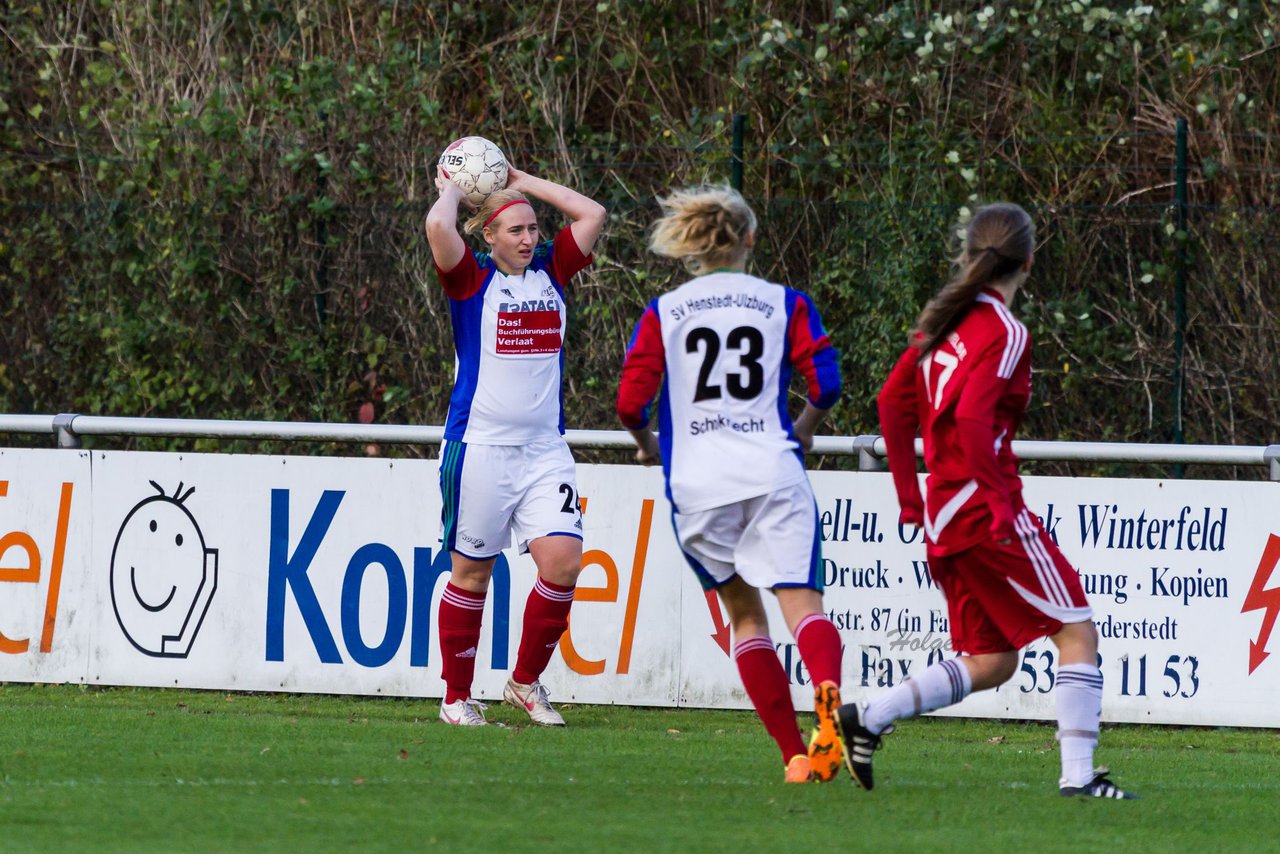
<point x="160" y="770"/>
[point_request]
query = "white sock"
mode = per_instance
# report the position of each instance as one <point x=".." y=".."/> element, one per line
<point x="1078" y="692"/>
<point x="943" y="684"/>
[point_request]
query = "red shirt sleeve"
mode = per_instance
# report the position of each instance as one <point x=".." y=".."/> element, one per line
<point x="641" y="371"/>
<point x="463" y="281"/>
<point x="899" y="422"/>
<point x="975" y="428"/>
<point x="567" y="259"/>
<point x="812" y="353"/>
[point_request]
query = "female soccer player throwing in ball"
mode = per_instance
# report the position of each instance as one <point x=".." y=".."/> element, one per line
<point x="964" y="383"/>
<point x="504" y="466"/>
<point x="743" y="510"/>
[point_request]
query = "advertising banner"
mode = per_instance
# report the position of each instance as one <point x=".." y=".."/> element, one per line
<point x="306" y="574"/>
<point x="1180" y="575"/>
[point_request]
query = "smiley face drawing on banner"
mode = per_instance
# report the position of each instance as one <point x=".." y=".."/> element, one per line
<point x="162" y="576"/>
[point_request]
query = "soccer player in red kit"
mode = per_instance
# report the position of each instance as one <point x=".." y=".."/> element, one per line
<point x="721" y="349"/>
<point x="964" y="384"/>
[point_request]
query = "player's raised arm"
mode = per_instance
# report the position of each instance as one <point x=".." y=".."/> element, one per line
<point x="506" y="416"/>
<point x="585" y="215"/>
<point x="447" y="246"/>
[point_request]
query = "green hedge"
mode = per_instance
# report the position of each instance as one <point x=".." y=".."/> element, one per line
<point x="213" y="209"/>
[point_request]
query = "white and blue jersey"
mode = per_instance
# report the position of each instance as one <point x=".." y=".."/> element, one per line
<point x="722" y="348"/>
<point x="508" y="338"/>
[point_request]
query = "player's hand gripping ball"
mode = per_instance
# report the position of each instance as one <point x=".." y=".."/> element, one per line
<point x="476" y="165"/>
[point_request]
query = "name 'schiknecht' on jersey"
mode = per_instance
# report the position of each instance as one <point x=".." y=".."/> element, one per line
<point x="721" y="422"/>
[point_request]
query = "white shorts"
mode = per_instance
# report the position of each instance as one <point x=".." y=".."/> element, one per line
<point x="769" y="541"/>
<point x="493" y="491"/>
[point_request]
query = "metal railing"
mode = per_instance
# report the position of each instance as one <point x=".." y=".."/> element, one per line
<point x="870" y="450"/>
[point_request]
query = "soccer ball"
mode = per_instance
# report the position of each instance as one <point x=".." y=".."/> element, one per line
<point x="476" y="165"/>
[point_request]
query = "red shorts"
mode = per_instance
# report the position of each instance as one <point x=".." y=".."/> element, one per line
<point x="1003" y="597"/>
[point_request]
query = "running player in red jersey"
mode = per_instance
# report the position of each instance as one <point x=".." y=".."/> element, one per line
<point x="964" y="384"/>
<point x="743" y="510"/>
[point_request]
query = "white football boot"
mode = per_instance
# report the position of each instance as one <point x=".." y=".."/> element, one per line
<point x="467" y="712"/>
<point x="534" y="700"/>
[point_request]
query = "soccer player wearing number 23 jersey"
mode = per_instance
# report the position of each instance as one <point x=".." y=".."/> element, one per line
<point x="721" y="348"/>
<point x="964" y="383"/>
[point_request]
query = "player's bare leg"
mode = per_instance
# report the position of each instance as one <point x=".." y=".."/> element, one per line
<point x="546" y="616"/>
<point x="762" y="673"/>
<point x="820" y="649"/>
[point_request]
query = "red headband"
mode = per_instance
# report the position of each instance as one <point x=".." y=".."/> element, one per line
<point x="494" y="215"/>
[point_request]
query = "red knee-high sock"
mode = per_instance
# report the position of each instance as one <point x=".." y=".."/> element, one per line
<point x="546" y="616"/>
<point x="459" y="620"/>
<point x="820" y="650"/>
<point x="766" y="685"/>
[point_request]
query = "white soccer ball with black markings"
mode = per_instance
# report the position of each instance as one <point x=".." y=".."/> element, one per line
<point x="476" y="165"/>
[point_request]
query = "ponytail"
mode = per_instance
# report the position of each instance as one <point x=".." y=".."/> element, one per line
<point x="706" y="227"/>
<point x="998" y="243"/>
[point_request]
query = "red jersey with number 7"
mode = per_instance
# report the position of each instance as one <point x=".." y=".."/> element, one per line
<point x="967" y="398"/>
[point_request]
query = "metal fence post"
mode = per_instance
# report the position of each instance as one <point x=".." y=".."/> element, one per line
<point x="1272" y="457"/>
<point x="320" y="232"/>
<point x="64" y="430"/>
<point x="1180" y="282"/>
<point x="864" y="447"/>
